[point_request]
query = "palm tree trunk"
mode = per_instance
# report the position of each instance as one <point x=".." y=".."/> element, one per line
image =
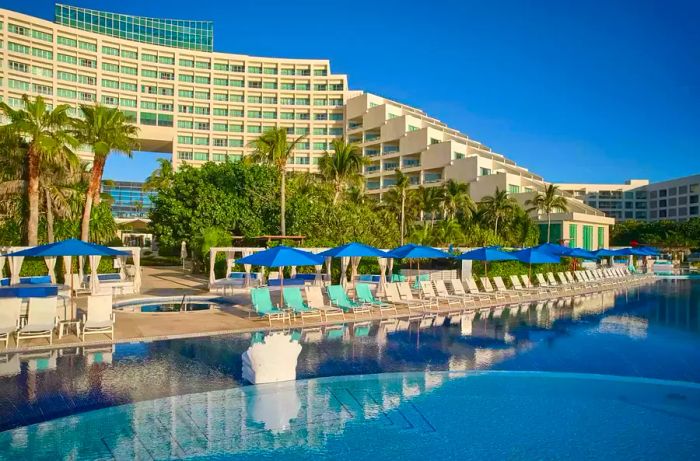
<point x="92" y="192"/>
<point x="403" y="212"/>
<point x="283" y="205"/>
<point x="49" y="218"/>
<point x="33" y="196"/>
<point x="338" y="190"/>
<point x="495" y="229"/>
<point x="549" y="225"/>
<point x="99" y="167"/>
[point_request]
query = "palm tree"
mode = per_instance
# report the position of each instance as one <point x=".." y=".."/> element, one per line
<point x="356" y="194"/>
<point x="49" y="141"/>
<point x="401" y="186"/>
<point x="104" y="129"/>
<point x="161" y="177"/>
<point x="448" y="231"/>
<point x="273" y="147"/>
<point x="429" y="200"/>
<point x="547" y="203"/>
<point x="343" y="166"/>
<point x="498" y="207"/>
<point x="456" y="199"/>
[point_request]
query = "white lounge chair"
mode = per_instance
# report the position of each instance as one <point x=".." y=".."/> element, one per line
<point x="501" y="288"/>
<point x="9" y="317"/>
<point x="41" y="319"/>
<point x="406" y="294"/>
<point x="442" y="292"/>
<point x="488" y="289"/>
<point x="314" y="299"/>
<point x="99" y="318"/>
<point x="394" y="297"/>
<point x="426" y="287"/>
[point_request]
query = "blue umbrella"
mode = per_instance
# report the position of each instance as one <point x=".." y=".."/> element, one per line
<point x="353" y="249"/>
<point x="485" y="254"/>
<point x="70" y="247"/>
<point x="536" y="256"/>
<point x="281" y="256"/>
<point x="579" y="253"/>
<point x="413" y="251"/>
<point x="554" y="249"/>
<point x="604" y="253"/>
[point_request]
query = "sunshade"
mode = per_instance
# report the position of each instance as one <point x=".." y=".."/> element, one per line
<point x="281" y="256"/>
<point x="70" y="247"/>
<point x="354" y="249"/>
<point x="536" y="256"/>
<point x="492" y="253"/>
<point x="413" y="251"/>
<point x="605" y="253"/>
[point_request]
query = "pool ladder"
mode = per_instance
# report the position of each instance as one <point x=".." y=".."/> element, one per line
<point x="182" y="303"/>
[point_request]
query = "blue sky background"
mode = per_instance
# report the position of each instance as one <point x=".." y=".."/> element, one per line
<point x="575" y="91"/>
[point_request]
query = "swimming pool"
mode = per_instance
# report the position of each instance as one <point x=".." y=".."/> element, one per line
<point x="611" y="375"/>
<point x="171" y="304"/>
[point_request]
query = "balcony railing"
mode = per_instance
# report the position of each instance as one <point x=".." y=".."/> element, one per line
<point x="372" y="185"/>
<point x="371" y="152"/>
<point x="390" y="149"/>
<point x="411" y="163"/>
<point x="371" y="137"/>
<point x="354" y="126"/>
<point x="391" y="166"/>
<point x="371" y="169"/>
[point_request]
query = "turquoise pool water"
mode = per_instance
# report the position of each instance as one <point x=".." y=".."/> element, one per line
<point x="611" y="376"/>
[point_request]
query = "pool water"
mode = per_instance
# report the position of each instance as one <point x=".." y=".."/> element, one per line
<point x="613" y="375"/>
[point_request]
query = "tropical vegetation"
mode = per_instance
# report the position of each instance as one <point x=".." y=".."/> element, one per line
<point x="548" y="202"/>
<point x="46" y="192"/>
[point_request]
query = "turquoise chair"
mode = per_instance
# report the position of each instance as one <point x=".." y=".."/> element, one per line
<point x="420" y="278"/>
<point x="294" y="301"/>
<point x="339" y="297"/>
<point x="398" y="278"/>
<point x="262" y="304"/>
<point x="364" y="294"/>
<point x="361" y="330"/>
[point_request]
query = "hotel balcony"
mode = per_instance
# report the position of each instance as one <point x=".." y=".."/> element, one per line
<point x="369" y="137"/>
<point x="390" y="149"/>
<point x="390" y="166"/>
<point x="410" y="163"/>
<point x="372" y="152"/>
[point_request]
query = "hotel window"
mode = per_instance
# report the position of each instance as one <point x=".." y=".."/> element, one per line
<point x="219" y="157"/>
<point x="129" y="54"/>
<point x="236" y="83"/>
<point x="235" y="128"/>
<point x="110" y="100"/>
<point x="320" y="87"/>
<point x="168" y="60"/>
<point x="237" y="68"/>
<point x="42" y="72"/>
<point x="186" y="78"/>
<point x="693" y="210"/>
<point x="109" y="50"/>
<point x="201" y="110"/>
<point x="269" y="100"/>
<point x="185" y="93"/>
<point x="201" y="79"/>
<point x="336" y="132"/>
<point x="201" y="156"/>
<point x="513" y="189"/>
<point x="672" y="191"/>
<point x="662" y="193"/>
<point x="64" y="93"/>
<point x="129" y="70"/>
<point x="236" y="112"/>
<point x="203" y="126"/>
<point x="187" y="124"/>
<point x="335" y="116"/>
<point x="319" y="146"/>
<point x="149" y="73"/>
<point x="484" y="171"/>
<point x="165" y="106"/>
<point x="693" y="199"/>
<point x="20" y="30"/>
<point x="254" y="70"/>
<point x="148" y="105"/>
<point x="694" y="188"/>
<point x="682" y="190"/>
<point x="45" y="54"/>
<point x="184" y="139"/>
<point x="320" y="72"/>
<point x="235" y="142"/>
<point x="435" y="141"/>
<point x="320" y="131"/>
<point x="39" y="35"/>
<point x="18" y="66"/>
<point x="87" y="46"/>
<point x="148" y="118"/>
<point x="166" y="76"/>
<point x="219" y="127"/>
<point x="186" y="62"/>
<point x="254" y="84"/>
<point x="301" y="130"/>
<point x="254" y="129"/>
<point x="413" y="128"/>
<point x="220" y="111"/>
<point x="127" y="102"/>
<point x="220" y="97"/>
<point x="254" y="114"/>
<point x="185" y="155"/>
<point x="201" y="95"/>
<point x="269" y="85"/>
<point x="220" y="66"/>
<point x="219" y="142"/>
<point x="110" y="67"/>
<point x="66" y="41"/>
<point x="202" y="65"/>
<point x="17" y="85"/>
<point x="110" y="83"/>
<point x="146" y="57"/>
<point x="573" y="237"/>
<point x="270" y="70"/>
<point x="17" y="48"/>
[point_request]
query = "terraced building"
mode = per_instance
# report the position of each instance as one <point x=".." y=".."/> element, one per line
<point x="202" y="105"/>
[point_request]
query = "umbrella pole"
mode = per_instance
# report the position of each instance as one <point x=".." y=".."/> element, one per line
<point x="486" y="273"/>
<point x="281" y="276"/>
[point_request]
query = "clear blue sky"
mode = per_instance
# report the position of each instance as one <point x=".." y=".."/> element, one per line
<point x="575" y="91"/>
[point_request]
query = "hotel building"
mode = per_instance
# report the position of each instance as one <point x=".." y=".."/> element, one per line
<point x="202" y="105"/>
<point x="676" y="199"/>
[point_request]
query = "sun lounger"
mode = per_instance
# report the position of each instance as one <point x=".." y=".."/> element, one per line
<point x="99" y="318"/>
<point x="262" y="305"/>
<point x="515" y="281"/>
<point x="553" y="282"/>
<point x="339" y="298"/>
<point x="458" y="289"/>
<point x="441" y="290"/>
<point x="9" y="317"/>
<point x="407" y="294"/>
<point x="430" y="295"/>
<point x="314" y="299"/>
<point x="295" y="303"/>
<point x="364" y="295"/>
<point x="501" y="288"/>
<point x="488" y="289"/>
<point x="394" y="297"/>
<point x="41" y="320"/>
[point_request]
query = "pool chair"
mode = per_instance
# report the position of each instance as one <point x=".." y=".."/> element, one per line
<point x="553" y="282"/>
<point x="294" y="302"/>
<point x="262" y="305"/>
<point x="420" y="278"/>
<point x="501" y="288"/>
<point x="9" y="317"/>
<point x="564" y="282"/>
<point x="441" y="290"/>
<point x="541" y="281"/>
<point x="340" y="298"/>
<point x="517" y="285"/>
<point x="41" y="319"/>
<point x="406" y="294"/>
<point x="364" y="295"/>
<point x="99" y="318"/>
<point x="314" y="299"/>
<point x="394" y="297"/>
<point x="458" y="289"/>
<point x="430" y="295"/>
<point x="488" y="289"/>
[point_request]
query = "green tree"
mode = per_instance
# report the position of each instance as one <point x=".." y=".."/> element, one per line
<point x="342" y="167"/>
<point x="105" y="130"/>
<point x="429" y="200"/>
<point x="548" y="202"/>
<point x="498" y="207"/>
<point x="274" y="148"/>
<point x="456" y="199"/>
<point x="401" y="188"/>
<point x="161" y="177"/>
<point x="49" y="141"/>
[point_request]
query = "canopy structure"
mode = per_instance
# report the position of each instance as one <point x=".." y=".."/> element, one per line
<point x="605" y="253"/>
<point x="486" y="254"/>
<point x="281" y="256"/>
<point x="554" y="248"/>
<point x="536" y="256"/>
<point x="352" y="252"/>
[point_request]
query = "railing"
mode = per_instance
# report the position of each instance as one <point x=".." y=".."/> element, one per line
<point x="371" y="137"/>
<point x="390" y="149"/>
<point x="411" y="163"/>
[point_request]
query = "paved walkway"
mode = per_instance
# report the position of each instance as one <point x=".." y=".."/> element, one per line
<point x="137" y="326"/>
